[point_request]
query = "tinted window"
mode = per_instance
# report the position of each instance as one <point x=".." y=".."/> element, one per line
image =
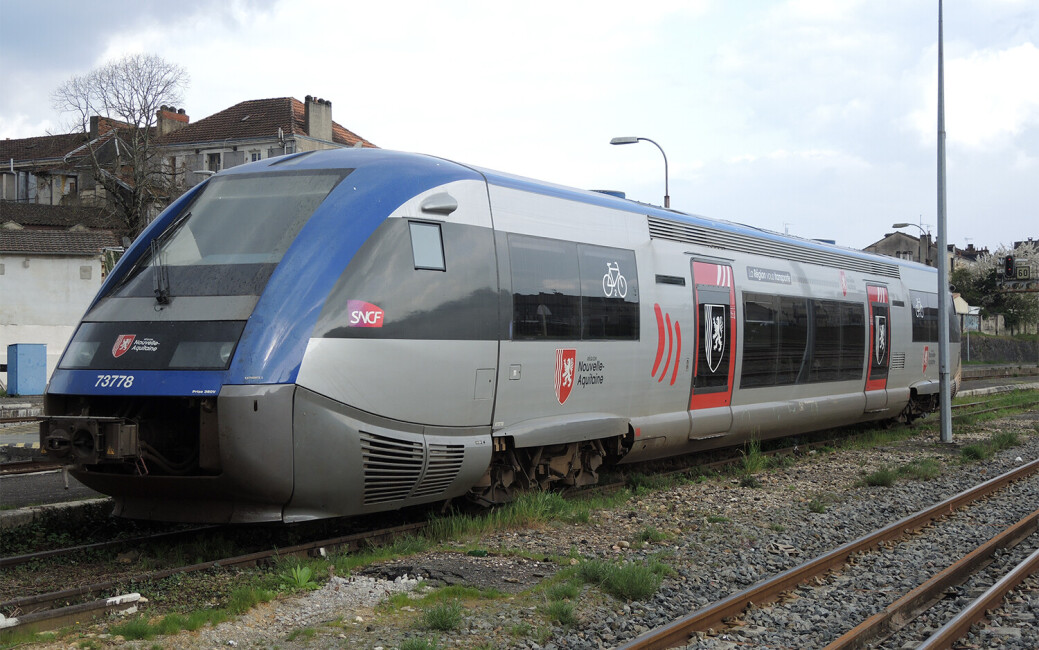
<point x="792" y="319"/>
<point x="925" y="316"/>
<point x="826" y="353"/>
<point x="760" y="341"/>
<point x="609" y="293"/>
<point x="776" y="333"/>
<point x="207" y="345"/>
<point x="546" y="296"/>
<point x="228" y="241"/>
<point x="426" y="246"/>
<point x="853" y="340"/>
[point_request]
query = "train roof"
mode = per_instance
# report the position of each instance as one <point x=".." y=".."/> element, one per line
<point x="664" y="223"/>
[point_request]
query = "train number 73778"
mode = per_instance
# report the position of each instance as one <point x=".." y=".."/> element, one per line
<point x="114" y="381"/>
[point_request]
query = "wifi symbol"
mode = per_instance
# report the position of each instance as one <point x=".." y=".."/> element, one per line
<point x="674" y="341"/>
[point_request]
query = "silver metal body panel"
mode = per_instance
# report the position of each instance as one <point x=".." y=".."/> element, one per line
<point x="348" y="462"/>
<point x="437" y="383"/>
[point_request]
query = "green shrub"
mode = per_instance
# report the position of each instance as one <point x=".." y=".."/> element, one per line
<point x="443" y="616"/>
<point x="884" y="477"/>
<point x="561" y="611"/>
<point x="625" y="582"/>
<point x="974" y="452"/>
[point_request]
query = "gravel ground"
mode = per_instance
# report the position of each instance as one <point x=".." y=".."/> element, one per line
<point x="720" y="537"/>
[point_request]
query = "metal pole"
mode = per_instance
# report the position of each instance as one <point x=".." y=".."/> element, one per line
<point x="667" y="194"/>
<point x="943" y="265"/>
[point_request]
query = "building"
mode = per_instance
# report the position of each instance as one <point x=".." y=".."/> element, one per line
<point x="904" y="246"/>
<point x="56" y="170"/>
<point x="58" y="231"/>
<point x="246" y="132"/>
<point x="52" y="263"/>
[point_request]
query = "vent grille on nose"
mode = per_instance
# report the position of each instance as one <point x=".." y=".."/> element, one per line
<point x="391" y="467"/>
<point x="396" y="469"/>
<point x="445" y="461"/>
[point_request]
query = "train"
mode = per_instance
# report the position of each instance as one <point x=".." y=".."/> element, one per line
<point x="343" y="332"/>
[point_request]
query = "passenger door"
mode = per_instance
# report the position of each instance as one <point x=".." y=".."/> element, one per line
<point x="714" y="296"/>
<point x="879" y="347"/>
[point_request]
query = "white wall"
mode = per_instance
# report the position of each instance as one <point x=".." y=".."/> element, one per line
<point x="42" y="299"/>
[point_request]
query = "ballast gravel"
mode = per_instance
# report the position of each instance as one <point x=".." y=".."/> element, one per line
<point x="718" y="538"/>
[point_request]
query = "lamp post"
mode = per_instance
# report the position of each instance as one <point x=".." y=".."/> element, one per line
<point x="633" y="140"/>
<point x="919" y="249"/>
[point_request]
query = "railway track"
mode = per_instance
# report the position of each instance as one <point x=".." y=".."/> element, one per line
<point x="796" y="583"/>
<point x="22" y="605"/>
<point x="39" y="612"/>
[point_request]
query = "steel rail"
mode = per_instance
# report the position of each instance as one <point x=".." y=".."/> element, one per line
<point x="15" y="560"/>
<point x="959" y="626"/>
<point x="899" y="613"/>
<point x="41" y="602"/>
<point x="678" y="632"/>
<point x="56" y="618"/>
<point x="15" y="467"/>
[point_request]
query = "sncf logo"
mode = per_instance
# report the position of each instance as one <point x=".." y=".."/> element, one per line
<point x="363" y="314"/>
<point x="672" y="334"/>
<point x="122" y="344"/>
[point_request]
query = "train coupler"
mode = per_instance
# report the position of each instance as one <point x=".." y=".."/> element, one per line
<point x="89" y="441"/>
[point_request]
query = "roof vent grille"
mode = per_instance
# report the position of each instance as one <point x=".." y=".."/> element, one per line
<point x="786" y="250"/>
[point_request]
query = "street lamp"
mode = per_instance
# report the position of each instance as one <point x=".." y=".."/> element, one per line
<point x="633" y="140"/>
<point x="919" y="248"/>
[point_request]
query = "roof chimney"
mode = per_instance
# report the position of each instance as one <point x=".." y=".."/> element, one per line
<point x="170" y="119"/>
<point x="317" y="117"/>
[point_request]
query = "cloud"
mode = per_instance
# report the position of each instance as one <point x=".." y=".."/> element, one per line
<point x="991" y="97"/>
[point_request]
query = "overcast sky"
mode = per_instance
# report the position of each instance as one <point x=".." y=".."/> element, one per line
<point x="817" y="117"/>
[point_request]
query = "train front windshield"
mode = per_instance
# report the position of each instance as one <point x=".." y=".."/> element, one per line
<point x="229" y="239"/>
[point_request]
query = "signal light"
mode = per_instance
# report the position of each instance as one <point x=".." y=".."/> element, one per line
<point x="1008" y="267"/>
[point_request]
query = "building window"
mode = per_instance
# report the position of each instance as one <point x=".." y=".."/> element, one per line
<point x="254" y="156"/>
<point x="213" y="162"/>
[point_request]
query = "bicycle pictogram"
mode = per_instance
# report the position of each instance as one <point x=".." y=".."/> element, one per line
<point x="613" y="283"/>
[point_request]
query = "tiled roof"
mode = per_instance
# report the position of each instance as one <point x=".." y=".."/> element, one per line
<point x="55" y="242"/>
<point x="46" y="147"/>
<point x="36" y="215"/>
<point x="256" y="118"/>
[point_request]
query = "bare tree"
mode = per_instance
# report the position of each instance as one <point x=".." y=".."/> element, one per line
<point x="116" y="105"/>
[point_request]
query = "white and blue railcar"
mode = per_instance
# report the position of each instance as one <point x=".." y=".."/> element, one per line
<point x="342" y="332"/>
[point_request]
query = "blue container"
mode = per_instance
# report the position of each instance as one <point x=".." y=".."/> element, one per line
<point x="26" y="369"/>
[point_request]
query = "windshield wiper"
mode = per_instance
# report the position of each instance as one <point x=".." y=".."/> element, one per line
<point x="162" y="274"/>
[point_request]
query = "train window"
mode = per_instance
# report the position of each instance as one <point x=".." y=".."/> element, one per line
<point x="760" y="341"/>
<point x="826" y="353"/>
<point x="925" y="316"/>
<point x="228" y="241"/>
<point x="853" y="340"/>
<point x="775" y="336"/>
<point x="776" y="333"/>
<point x="609" y="293"/>
<point x="792" y="319"/>
<point x="954" y="323"/>
<point x="427" y="246"/>
<point x="546" y="292"/>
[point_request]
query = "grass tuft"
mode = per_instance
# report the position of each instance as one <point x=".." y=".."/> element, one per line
<point x="443" y="616"/>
